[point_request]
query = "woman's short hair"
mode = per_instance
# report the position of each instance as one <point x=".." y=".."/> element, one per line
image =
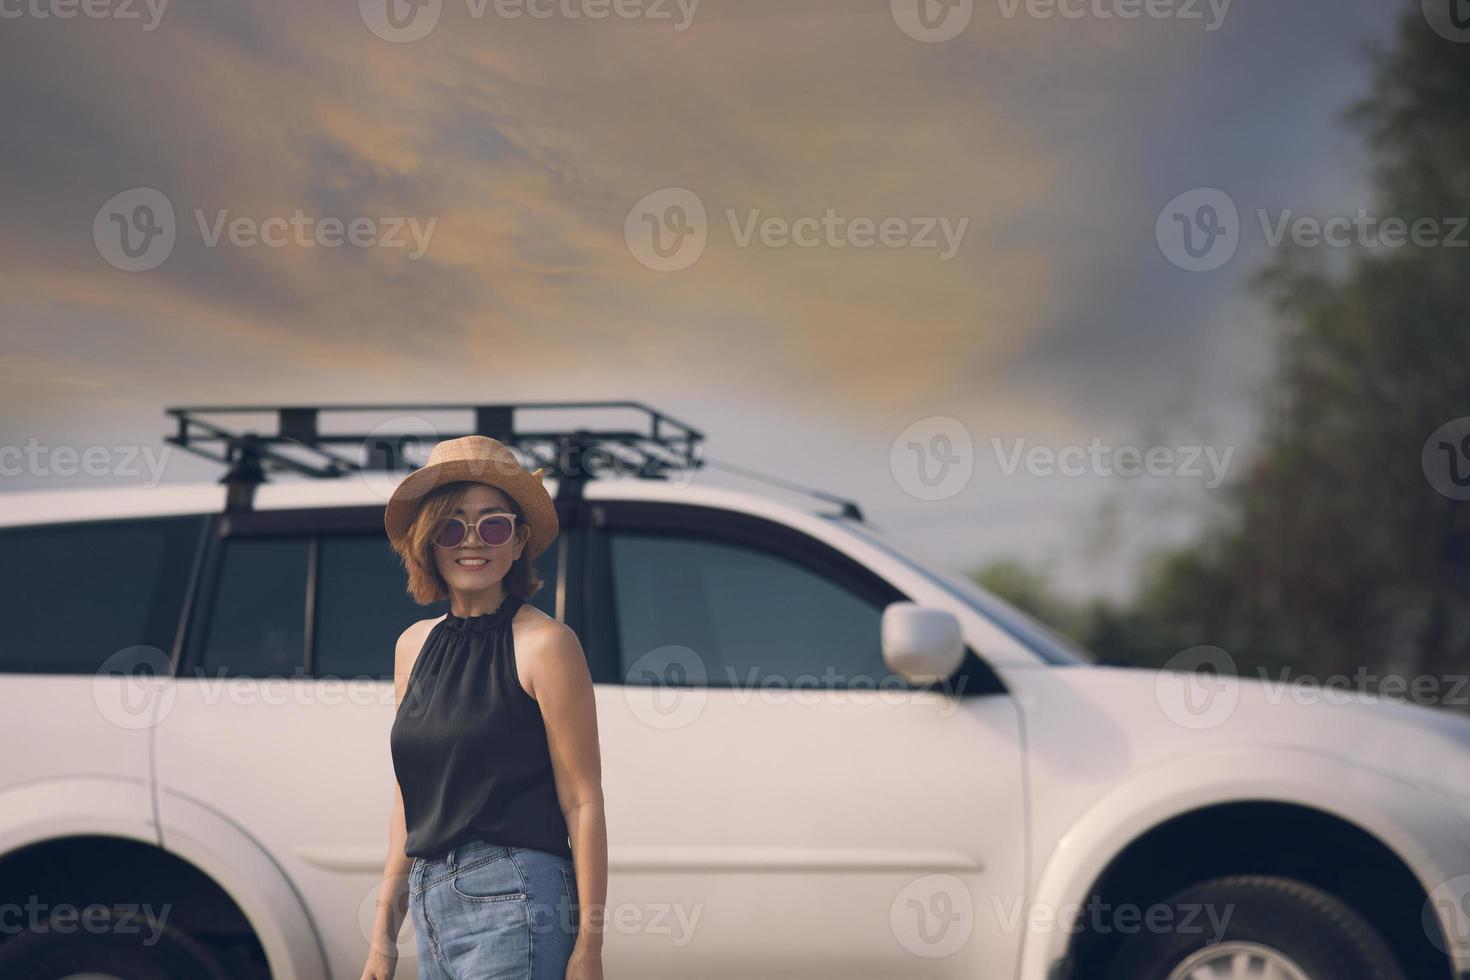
<point x="416" y="548"/>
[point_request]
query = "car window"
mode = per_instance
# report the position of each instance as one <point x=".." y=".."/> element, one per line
<point x="363" y="604"/>
<point x="749" y="617"/>
<point x="546" y="567"/>
<point x="256" y="623"/>
<point x="75" y="594"/>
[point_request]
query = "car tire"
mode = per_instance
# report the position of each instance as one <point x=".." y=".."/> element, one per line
<point x="1286" y="922"/>
<point x="122" y="945"/>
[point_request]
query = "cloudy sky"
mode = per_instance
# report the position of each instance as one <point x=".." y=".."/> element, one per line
<point x="681" y="203"/>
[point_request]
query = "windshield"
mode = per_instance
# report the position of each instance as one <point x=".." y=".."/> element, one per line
<point x="1041" y="639"/>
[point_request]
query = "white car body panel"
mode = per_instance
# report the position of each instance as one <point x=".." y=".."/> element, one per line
<point x="278" y="909"/>
<point x="42" y="809"/>
<point x="779" y="818"/>
<point x="223" y="740"/>
<point x="1107" y="763"/>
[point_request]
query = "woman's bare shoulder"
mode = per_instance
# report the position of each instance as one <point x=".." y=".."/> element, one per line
<point x="539" y="628"/>
<point x="410" y="642"/>
<point x="545" y="644"/>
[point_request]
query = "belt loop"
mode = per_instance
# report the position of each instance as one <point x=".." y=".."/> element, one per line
<point x="449" y="860"/>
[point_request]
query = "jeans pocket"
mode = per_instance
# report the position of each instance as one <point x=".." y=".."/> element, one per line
<point x="569" y="878"/>
<point x="493" y="876"/>
<point x="571" y="915"/>
<point x="415" y="876"/>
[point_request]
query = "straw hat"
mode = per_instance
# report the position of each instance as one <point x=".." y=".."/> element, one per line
<point x="479" y="459"/>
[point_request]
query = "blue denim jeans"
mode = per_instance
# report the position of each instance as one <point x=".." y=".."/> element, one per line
<point x="489" y="912"/>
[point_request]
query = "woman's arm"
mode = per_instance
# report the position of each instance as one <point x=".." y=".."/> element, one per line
<point x="393" y="893"/>
<point x="562" y="685"/>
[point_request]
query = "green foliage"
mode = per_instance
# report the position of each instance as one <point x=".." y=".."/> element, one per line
<point x="1337" y="553"/>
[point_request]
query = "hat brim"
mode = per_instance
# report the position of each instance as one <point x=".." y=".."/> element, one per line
<point x="522" y="487"/>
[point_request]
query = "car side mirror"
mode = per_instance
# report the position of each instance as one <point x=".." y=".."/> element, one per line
<point x="920" y="644"/>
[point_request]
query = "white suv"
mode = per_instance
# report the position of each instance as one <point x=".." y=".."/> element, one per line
<point x="790" y="793"/>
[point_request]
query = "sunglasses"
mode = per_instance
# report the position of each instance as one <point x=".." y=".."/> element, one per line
<point x="493" y="530"/>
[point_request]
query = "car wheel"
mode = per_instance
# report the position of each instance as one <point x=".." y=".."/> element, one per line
<point x="1277" y="929"/>
<point x="116" y="946"/>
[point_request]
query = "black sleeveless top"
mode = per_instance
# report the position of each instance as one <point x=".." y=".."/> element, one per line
<point x="469" y="746"/>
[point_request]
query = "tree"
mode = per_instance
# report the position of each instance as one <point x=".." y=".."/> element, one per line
<point x="1337" y="551"/>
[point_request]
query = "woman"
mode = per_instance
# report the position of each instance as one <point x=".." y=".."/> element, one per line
<point x="497" y="823"/>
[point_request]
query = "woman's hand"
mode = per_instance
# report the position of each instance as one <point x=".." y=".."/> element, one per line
<point x="585" y="964"/>
<point x="381" y="964"/>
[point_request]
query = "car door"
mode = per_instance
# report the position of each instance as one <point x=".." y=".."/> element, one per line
<point x="284" y="700"/>
<point x="778" y="803"/>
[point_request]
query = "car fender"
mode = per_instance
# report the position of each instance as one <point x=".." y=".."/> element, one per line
<point x="1413" y="823"/>
<point x="46" y="809"/>
<point x="54" y="809"/>
<point x="225" y="852"/>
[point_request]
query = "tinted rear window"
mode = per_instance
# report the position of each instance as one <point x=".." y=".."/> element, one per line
<point x="362" y="606"/>
<point x="257" y="621"/>
<point x="72" y="595"/>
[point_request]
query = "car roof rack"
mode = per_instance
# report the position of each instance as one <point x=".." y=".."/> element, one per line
<point x="573" y="456"/>
<point x="657" y="446"/>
